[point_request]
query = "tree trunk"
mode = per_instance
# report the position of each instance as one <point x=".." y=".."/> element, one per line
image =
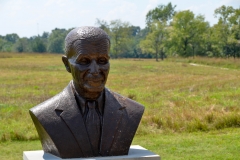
<point x="193" y="51"/>
<point x="185" y="47"/>
<point x="234" y="51"/>
<point x="116" y="46"/>
<point x="162" y="54"/>
<point x="157" y="54"/>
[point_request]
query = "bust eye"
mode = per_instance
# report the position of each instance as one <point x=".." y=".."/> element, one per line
<point x="84" y="61"/>
<point x="102" y="60"/>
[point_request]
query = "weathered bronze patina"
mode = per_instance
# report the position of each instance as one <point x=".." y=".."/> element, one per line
<point x="86" y="119"/>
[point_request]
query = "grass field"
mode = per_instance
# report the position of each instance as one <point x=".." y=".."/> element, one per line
<point x="192" y="112"/>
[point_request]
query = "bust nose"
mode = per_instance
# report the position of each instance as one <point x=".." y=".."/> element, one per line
<point x="94" y="68"/>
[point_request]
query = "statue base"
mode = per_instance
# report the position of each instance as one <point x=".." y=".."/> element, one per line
<point x="135" y="153"/>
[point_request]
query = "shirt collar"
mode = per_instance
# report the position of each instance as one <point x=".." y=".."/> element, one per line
<point x="82" y="101"/>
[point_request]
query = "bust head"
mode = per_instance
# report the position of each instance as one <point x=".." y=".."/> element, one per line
<point x="86" y="58"/>
<point x="63" y="130"/>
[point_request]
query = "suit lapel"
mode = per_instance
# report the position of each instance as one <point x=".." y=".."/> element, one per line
<point x="111" y="118"/>
<point x="73" y="119"/>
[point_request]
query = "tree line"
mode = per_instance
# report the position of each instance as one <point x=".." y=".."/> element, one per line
<point x="167" y="33"/>
<point x="47" y="42"/>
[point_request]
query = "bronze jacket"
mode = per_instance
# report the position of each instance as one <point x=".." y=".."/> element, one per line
<point x="62" y="131"/>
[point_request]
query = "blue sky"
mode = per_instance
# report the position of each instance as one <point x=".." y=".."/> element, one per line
<point x="31" y="17"/>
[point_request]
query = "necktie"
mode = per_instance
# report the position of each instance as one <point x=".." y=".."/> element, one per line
<point x="93" y="125"/>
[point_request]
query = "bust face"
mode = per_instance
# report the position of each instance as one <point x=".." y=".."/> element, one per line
<point x="89" y="65"/>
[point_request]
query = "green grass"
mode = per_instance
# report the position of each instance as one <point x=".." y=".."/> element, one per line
<point x="215" y="145"/>
<point x="181" y="100"/>
<point x="13" y="150"/>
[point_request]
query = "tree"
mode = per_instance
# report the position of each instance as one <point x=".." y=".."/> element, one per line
<point x="234" y="39"/>
<point x="45" y="35"/>
<point x="103" y="25"/>
<point x="154" y="41"/>
<point x="124" y="38"/>
<point x="187" y="32"/>
<point x="7" y="42"/>
<point x="211" y="42"/>
<point x="227" y="29"/>
<point x="38" y="45"/>
<point x="162" y="13"/>
<point x="56" y="41"/>
<point x="200" y="28"/>
<point x="137" y="35"/>
<point x="224" y="12"/>
<point x="22" y="45"/>
<point x="121" y="38"/>
<point x="2" y="43"/>
<point x="157" y="21"/>
<point x="12" y="38"/>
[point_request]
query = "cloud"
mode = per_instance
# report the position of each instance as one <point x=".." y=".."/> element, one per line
<point x="107" y="1"/>
<point x="49" y="3"/>
<point x="123" y="10"/>
<point x="153" y="1"/>
<point x="14" y="7"/>
<point x="234" y="3"/>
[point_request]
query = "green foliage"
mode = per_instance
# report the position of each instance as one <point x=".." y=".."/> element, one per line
<point x="7" y="42"/>
<point x="224" y="12"/>
<point x="161" y="13"/>
<point x="4" y="45"/>
<point x="187" y="32"/>
<point x="124" y="38"/>
<point x="38" y="45"/>
<point x="120" y="36"/>
<point x="56" y="41"/>
<point x="22" y="45"/>
<point x="155" y="40"/>
<point x="56" y="45"/>
<point x="12" y="37"/>
<point x="226" y="31"/>
<point x="103" y="25"/>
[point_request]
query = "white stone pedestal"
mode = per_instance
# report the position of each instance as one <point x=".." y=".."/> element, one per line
<point x="135" y="153"/>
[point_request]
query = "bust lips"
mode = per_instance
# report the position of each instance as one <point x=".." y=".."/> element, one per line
<point x="95" y="82"/>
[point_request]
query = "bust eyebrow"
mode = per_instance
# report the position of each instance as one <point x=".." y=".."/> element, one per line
<point x="105" y="56"/>
<point x="82" y="55"/>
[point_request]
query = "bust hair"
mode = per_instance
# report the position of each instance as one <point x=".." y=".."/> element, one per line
<point x="86" y="34"/>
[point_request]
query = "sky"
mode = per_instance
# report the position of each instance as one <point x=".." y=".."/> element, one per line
<point x="32" y="17"/>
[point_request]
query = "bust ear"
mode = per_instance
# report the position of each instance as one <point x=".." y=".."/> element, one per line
<point x="65" y="61"/>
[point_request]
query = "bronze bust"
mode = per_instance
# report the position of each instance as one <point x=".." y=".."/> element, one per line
<point x="86" y="119"/>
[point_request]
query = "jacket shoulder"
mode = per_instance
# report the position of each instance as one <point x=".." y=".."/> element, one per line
<point x="128" y="103"/>
<point x="46" y="105"/>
